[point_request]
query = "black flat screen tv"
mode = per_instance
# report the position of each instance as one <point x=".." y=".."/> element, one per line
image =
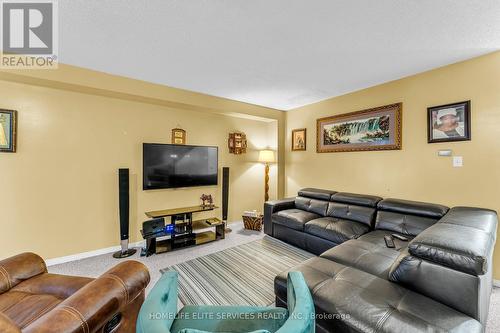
<point x="174" y="166"/>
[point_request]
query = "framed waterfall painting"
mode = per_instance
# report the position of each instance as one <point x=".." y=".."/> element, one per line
<point x="372" y="129"/>
<point x="8" y="131"/>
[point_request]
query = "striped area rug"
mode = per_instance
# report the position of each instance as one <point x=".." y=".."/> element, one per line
<point x="241" y="275"/>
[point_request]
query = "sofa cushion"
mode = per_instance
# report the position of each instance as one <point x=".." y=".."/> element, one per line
<point x="335" y="229"/>
<point x="355" y="207"/>
<point x="408" y="225"/>
<point x="311" y="205"/>
<point x="38" y="295"/>
<point x="407" y="217"/>
<point x="316" y="193"/>
<point x="316" y="271"/>
<point x="293" y="218"/>
<point x="365" y="256"/>
<point x="351" y="212"/>
<point x="60" y="286"/>
<point x="413" y="208"/>
<point x="443" y="284"/>
<point x="457" y="242"/>
<point x="24" y="308"/>
<point x="356" y="199"/>
<point x="376" y="237"/>
<point x="362" y="302"/>
<point x="485" y="220"/>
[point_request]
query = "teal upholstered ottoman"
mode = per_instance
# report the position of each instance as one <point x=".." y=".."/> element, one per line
<point x="159" y="312"/>
<point x="230" y="318"/>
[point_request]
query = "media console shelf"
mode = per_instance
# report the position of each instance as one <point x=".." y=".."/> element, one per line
<point x="184" y="231"/>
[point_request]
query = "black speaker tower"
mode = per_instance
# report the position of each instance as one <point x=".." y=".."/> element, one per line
<point x="225" y="196"/>
<point x="124" y="206"/>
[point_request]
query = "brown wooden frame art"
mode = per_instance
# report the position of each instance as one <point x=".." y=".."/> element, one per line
<point x="305" y="139"/>
<point x="13" y="136"/>
<point x="398" y="140"/>
<point x="235" y="139"/>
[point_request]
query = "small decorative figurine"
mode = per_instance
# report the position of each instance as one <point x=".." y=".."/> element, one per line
<point x="207" y="200"/>
<point x="178" y="136"/>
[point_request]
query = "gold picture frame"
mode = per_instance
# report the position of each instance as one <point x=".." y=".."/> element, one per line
<point x="8" y="131"/>
<point x="299" y="139"/>
<point x="178" y="136"/>
<point x="377" y="128"/>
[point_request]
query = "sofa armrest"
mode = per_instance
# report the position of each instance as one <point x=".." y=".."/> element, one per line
<point x="98" y="302"/>
<point x="271" y="207"/>
<point x="19" y="268"/>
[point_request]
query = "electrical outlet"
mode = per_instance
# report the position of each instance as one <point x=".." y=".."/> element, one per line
<point x="458" y="161"/>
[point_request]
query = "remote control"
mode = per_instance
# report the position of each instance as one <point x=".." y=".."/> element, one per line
<point x="389" y="242"/>
<point x="401" y="238"/>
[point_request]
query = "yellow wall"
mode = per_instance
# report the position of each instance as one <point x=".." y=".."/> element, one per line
<point x="71" y="78"/>
<point x="59" y="192"/>
<point x="415" y="172"/>
<point x="76" y="127"/>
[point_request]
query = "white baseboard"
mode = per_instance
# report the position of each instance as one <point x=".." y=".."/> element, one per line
<point x="496" y="283"/>
<point x="83" y="255"/>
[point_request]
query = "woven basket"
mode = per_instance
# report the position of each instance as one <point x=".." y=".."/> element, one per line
<point x="253" y="223"/>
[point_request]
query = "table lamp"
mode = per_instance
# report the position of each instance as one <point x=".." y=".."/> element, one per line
<point x="266" y="157"/>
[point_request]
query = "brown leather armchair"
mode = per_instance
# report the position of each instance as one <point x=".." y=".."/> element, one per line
<point x="32" y="300"/>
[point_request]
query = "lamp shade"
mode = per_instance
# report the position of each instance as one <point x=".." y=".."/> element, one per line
<point x="266" y="156"/>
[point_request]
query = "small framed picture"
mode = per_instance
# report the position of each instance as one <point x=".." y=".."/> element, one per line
<point x="8" y="131"/>
<point x="299" y="139"/>
<point x="178" y="136"/>
<point x="448" y="123"/>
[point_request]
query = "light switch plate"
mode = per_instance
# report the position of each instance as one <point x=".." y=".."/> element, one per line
<point x="458" y="161"/>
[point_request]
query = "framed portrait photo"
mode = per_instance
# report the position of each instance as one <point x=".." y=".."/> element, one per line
<point x="372" y="129"/>
<point x="448" y="123"/>
<point x="8" y="131"/>
<point x="299" y="139"/>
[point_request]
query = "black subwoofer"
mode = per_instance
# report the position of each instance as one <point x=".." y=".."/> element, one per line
<point x="124" y="207"/>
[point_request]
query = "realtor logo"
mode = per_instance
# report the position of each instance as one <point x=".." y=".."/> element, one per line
<point x="29" y="34"/>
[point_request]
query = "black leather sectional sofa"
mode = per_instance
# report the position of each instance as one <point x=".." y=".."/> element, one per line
<point x="440" y="280"/>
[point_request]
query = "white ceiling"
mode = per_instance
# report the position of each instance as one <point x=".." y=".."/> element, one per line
<point x="277" y="53"/>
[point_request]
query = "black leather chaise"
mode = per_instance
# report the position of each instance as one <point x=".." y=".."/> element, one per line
<point x="440" y="280"/>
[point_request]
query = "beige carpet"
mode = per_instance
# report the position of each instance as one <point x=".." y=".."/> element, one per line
<point x="493" y="324"/>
